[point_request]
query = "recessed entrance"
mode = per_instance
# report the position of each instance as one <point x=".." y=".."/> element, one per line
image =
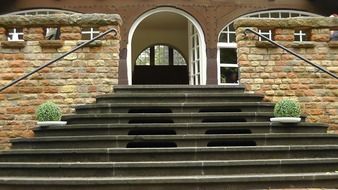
<point x="166" y="46"/>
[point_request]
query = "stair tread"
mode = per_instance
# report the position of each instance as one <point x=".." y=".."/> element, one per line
<point x="178" y="87"/>
<point x="169" y="179"/>
<point x="171" y="150"/>
<point x="178" y="95"/>
<point x="199" y="114"/>
<point x="192" y="162"/>
<point x="177" y="137"/>
<point x="182" y="125"/>
<point x="187" y="104"/>
<point x="168" y="163"/>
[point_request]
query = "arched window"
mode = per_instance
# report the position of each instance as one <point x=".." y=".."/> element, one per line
<point x="228" y="71"/>
<point x="160" y="55"/>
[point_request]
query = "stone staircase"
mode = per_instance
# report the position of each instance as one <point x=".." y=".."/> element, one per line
<point x="167" y="137"/>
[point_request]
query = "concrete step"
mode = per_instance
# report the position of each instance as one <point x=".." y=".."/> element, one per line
<point x="180" y="128"/>
<point x="150" y="141"/>
<point x="169" y="154"/>
<point x="103" y="118"/>
<point x="174" y="107"/>
<point x="177" y="97"/>
<point x="210" y="182"/>
<point x="166" y="168"/>
<point x="178" y="89"/>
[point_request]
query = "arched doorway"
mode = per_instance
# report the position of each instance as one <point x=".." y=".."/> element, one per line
<point x="166" y="34"/>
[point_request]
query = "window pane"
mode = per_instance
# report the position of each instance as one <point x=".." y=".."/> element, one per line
<point x="264" y="15"/>
<point x="144" y="58"/>
<point x="297" y="38"/>
<point x="295" y="15"/>
<point x="161" y="55"/>
<point x="52" y="34"/>
<point x="266" y="33"/>
<point x="232" y="37"/>
<point x="301" y="35"/>
<point x="15" y="34"/>
<point x="228" y="55"/>
<point x="85" y="37"/>
<point x="178" y="58"/>
<point x="89" y="33"/>
<point x="231" y="27"/>
<point x="285" y="15"/>
<point x="229" y="74"/>
<point x="223" y="37"/>
<point x="275" y="15"/>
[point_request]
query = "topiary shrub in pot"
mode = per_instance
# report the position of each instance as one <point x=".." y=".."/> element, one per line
<point x="287" y="111"/>
<point x="49" y="114"/>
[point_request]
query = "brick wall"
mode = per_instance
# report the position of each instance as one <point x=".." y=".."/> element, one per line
<point x="267" y="69"/>
<point x="76" y="79"/>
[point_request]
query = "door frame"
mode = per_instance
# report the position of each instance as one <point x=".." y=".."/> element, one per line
<point x="172" y="10"/>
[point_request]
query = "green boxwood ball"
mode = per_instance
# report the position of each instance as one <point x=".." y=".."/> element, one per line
<point x="287" y="108"/>
<point x="48" y="111"/>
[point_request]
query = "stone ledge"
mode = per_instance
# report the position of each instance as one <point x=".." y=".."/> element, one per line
<point x="13" y="44"/>
<point x="96" y="43"/>
<point x="303" y="45"/>
<point x="84" y="20"/>
<point x="51" y="43"/>
<point x="311" y="22"/>
<point x="333" y="44"/>
<point x="264" y="44"/>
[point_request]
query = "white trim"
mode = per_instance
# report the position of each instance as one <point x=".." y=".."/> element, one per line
<point x="92" y="33"/>
<point x="15" y="35"/>
<point x="301" y="34"/>
<point x="25" y="12"/>
<point x="258" y="13"/>
<point x="172" y="10"/>
<point x="226" y="45"/>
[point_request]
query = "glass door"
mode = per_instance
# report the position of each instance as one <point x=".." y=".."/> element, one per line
<point x="194" y="56"/>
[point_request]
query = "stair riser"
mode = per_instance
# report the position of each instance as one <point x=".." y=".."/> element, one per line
<point x="168" y="119"/>
<point x="172" y="156"/>
<point x="182" y="109"/>
<point x="205" y="185"/>
<point x="177" y="90"/>
<point x="179" y="130"/>
<point x="177" y="99"/>
<point x="167" y="171"/>
<point x="178" y="142"/>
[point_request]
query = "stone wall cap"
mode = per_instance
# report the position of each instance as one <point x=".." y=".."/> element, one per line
<point x="85" y="20"/>
<point x="296" y="22"/>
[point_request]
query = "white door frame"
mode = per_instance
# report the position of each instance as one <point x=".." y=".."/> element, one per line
<point x="172" y="10"/>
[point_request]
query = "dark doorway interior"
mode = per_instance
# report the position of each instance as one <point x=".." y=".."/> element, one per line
<point x="160" y="64"/>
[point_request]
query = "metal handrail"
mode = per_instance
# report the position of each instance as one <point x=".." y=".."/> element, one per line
<point x="292" y="52"/>
<point x="57" y="59"/>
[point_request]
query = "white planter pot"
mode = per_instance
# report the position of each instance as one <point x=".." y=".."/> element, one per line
<point x="51" y="123"/>
<point x="286" y="119"/>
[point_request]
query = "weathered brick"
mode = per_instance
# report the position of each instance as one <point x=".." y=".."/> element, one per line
<point x="2" y="30"/>
<point x="33" y="37"/>
<point x="285" y="75"/>
<point x="70" y="36"/>
<point x="70" y="29"/>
